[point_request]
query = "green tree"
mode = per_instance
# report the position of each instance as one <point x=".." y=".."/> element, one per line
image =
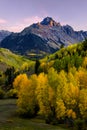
<point x="10" y="74"/>
<point x="37" y="64"/>
<point x="84" y="45"/>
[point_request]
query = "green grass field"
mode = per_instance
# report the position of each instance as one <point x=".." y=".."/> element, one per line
<point x="10" y="121"/>
<point x="7" y="58"/>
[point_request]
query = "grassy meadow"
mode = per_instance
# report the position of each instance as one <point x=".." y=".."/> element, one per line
<point x="10" y="121"/>
<point x="8" y="59"/>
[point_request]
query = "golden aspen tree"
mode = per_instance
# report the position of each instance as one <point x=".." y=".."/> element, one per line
<point x="61" y="94"/>
<point x="81" y="76"/>
<point x="84" y="64"/>
<point x="53" y="83"/>
<point x="62" y="85"/>
<point x="83" y="103"/>
<point x="42" y="94"/>
<point x="53" y="78"/>
<point x="27" y="103"/>
<point x="60" y="109"/>
<point x="19" y="80"/>
<point x="71" y="114"/>
<point x="67" y="93"/>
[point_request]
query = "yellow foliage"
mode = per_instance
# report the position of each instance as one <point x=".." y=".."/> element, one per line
<point x="85" y="63"/>
<point x="62" y="88"/>
<point x="52" y="96"/>
<point x="60" y="109"/>
<point x="20" y="80"/>
<point x="83" y="103"/>
<point x="42" y="93"/>
<point x="81" y="76"/>
<point x="64" y="94"/>
<point x="25" y="66"/>
<point x="26" y="93"/>
<point x="26" y="97"/>
<point x="53" y="78"/>
<point x="71" y="114"/>
<point x="73" y="91"/>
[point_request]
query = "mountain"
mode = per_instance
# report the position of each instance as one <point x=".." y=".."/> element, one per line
<point x="4" y="34"/>
<point x="43" y="37"/>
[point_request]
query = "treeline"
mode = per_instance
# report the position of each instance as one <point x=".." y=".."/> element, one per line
<point x="58" y="97"/>
<point x="66" y="58"/>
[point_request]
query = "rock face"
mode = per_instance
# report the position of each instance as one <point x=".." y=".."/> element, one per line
<point x="46" y="36"/>
<point x="49" y="21"/>
<point x="4" y="34"/>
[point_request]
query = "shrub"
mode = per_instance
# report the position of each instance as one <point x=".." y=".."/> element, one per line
<point x="2" y="94"/>
<point x="79" y="124"/>
<point x="12" y="93"/>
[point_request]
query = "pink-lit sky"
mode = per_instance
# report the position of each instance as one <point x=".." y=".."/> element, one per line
<point x="15" y="15"/>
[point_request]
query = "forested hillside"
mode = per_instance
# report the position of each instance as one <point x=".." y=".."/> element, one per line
<point x="66" y="58"/>
<point x="9" y="59"/>
<point x="57" y="91"/>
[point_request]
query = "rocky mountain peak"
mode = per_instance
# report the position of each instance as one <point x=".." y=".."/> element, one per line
<point x="49" y="21"/>
<point x="46" y="36"/>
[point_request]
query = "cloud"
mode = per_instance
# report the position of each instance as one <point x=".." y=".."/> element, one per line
<point x="3" y="21"/>
<point x="19" y="26"/>
<point x="32" y="20"/>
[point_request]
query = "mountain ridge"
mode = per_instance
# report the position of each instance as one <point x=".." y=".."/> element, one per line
<point x="46" y="36"/>
<point x="4" y="34"/>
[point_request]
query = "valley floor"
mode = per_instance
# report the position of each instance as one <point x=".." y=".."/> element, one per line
<point x="10" y="121"/>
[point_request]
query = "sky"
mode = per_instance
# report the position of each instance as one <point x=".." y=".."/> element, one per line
<point x="15" y="15"/>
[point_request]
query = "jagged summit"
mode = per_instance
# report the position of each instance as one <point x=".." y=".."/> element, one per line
<point x="49" y="21"/>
